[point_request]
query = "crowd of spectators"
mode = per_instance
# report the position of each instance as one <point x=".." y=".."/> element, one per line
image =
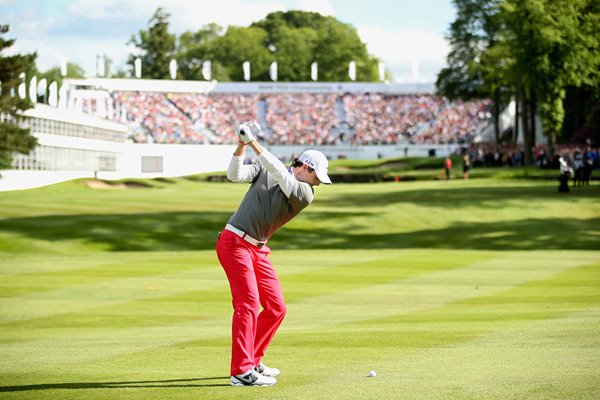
<point x="381" y="119"/>
<point x="219" y="113"/>
<point x="301" y="118"/>
<point x="508" y="155"/>
<point x="154" y="118"/>
<point x="304" y="119"/>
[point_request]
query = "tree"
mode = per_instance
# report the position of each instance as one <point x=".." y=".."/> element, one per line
<point x="195" y="48"/>
<point x="54" y="74"/>
<point x="13" y="138"/>
<point x="156" y="47"/>
<point x="535" y="50"/>
<point x="575" y="64"/>
<point x="241" y="44"/>
<point x="473" y="70"/>
<point x="301" y="38"/>
<point x="554" y="46"/>
<point x="295" y="39"/>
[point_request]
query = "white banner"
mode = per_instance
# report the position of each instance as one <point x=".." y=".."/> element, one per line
<point x="273" y="71"/>
<point x="53" y="94"/>
<point x="22" y="89"/>
<point x="314" y="71"/>
<point x="138" y="67"/>
<point x="206" y="70"/>
<point x="62" y="97"/>
<point x="246" y="67"/>
<point x="33" y="90"/>
<point x="173" y="69"/>
<point x="352" y="70"/>
<point x="381" y="67"/>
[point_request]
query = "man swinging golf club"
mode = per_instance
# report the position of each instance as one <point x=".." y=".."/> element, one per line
<point x="275" y="196"/>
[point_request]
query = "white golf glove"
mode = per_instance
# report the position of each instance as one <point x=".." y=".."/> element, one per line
<point x="248" y="131"/>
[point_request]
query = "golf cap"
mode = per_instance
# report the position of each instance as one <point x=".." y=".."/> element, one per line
<point x="317" y="161"/>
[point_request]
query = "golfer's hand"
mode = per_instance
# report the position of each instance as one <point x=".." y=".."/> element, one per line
<point x="248" y="131"/>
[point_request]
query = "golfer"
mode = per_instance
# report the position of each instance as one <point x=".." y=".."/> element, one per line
<point x="276" y="195"/>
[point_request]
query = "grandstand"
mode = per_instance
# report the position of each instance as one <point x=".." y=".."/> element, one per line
<point x="119" y="128"/>
<point x="74" y="145"/>
<point x="312" y="114"/>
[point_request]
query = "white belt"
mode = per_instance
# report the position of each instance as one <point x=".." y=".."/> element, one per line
<point x="245" y="236"/>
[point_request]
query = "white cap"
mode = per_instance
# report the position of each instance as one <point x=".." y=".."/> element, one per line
<point x="317" y="161"/>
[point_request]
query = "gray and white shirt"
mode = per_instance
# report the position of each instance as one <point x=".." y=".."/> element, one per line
<point x="275" y="195"/>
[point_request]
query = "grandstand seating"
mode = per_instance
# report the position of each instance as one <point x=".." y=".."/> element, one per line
<point x="304" y="118"/>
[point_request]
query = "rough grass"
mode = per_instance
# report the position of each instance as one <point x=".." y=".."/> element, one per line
<point x="448" y="290"/>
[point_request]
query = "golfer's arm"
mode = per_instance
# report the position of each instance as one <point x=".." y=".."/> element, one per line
<point x="237" y="171"/>
<point x="278" y="171"/>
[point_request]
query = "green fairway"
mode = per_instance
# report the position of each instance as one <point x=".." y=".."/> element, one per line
<point x="482" y="289"/>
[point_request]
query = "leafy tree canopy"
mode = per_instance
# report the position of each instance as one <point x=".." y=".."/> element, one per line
<point x="295" y="39"/>
<point x="156" y="47"/>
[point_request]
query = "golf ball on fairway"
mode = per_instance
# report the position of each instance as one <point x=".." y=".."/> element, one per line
<point x="372" y="374"/>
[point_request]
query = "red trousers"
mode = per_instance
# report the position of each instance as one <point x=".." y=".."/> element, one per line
<point x="254" y="283"/>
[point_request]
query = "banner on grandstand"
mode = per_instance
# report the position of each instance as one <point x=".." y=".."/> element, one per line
<point x="33" y="90"/>
<point x="137" y="65"/>
<point x="246" y="67"/>
<point x="62" y="97"/>
<point x="173" y="69"/>
<point x="352" y="70"/>
<point x="22" y="90"/>
<point x="273" y="71"/>
<point x="314" y="71"/>
<point x="206" y="70"/>
<point x="53" y="94"/>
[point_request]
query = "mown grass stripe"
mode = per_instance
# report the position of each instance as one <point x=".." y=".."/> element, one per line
<point x="432" y="290"/>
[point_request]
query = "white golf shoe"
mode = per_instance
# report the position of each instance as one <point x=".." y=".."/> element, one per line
<point x="267" y="371"/>
<point x="252" y="378"/>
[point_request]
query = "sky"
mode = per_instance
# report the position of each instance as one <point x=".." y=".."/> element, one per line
<point x="407" y="35"/>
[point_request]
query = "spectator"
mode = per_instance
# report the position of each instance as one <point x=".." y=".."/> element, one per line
<point x="565" y="172"/>
<point x="466" y="166"/>
<point x="448" y="167"/>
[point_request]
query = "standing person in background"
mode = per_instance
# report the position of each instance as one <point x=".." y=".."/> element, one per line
<point x="448" y="167"/>
<point x="565" y="172"/>
<point x="466" y="166"/>
<point x="588" y="166"/>
<point x="276" y="195"/>
<point x="578" y="167"/>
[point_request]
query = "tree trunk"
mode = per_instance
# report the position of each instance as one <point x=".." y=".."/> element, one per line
<point x="497" y="118"/>
<point x="532" y="111"/>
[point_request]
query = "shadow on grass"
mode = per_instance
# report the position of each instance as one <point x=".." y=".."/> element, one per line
<point x="527" y="234"/>
<point x="168" y="383"/>
<point x="177" y="231"/>
<point x="316" y="229"/>
<point x="168" y="231"/>
<point x="460" y="197"/>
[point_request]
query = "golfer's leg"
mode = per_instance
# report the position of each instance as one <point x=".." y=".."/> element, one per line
<point x="274" y="308"/>
<point x="236" y="260"/>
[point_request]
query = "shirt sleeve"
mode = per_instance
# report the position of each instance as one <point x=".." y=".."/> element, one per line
<point x="278" y="171"/>
<point x="237" y="172"/>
